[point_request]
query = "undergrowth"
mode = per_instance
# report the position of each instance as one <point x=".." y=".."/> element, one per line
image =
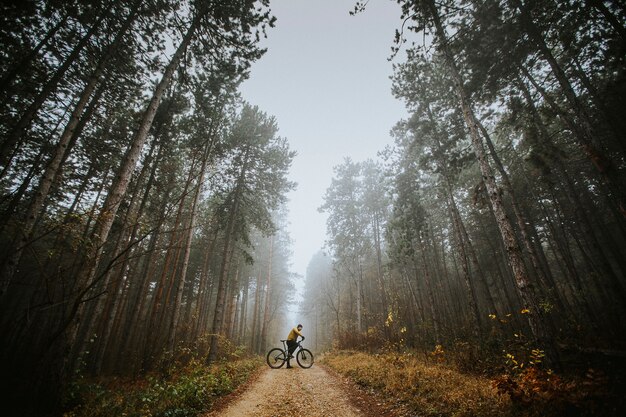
<point x="187" y="391"/>
<point x="430" y="385"/>
<point x="427" y="389"/>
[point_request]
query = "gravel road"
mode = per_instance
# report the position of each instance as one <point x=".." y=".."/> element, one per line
<point x="312" y="392"/>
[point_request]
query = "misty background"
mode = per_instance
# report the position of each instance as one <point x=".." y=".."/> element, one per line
<point x="325" y="77"/>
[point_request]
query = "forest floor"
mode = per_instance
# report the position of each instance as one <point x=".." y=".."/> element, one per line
<point x="314" y="392"/>
<point x="350" y="383"/>
<point x="354" y="383"/>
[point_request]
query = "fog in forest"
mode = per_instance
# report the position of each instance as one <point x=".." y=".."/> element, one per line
<point x="430" y="188"/>
<point x="326" y="78"/>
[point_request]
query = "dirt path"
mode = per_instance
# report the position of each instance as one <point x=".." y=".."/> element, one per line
<point x="310" y="392"/>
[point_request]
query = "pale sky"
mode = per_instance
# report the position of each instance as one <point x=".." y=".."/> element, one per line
<point x="325" y="77"/>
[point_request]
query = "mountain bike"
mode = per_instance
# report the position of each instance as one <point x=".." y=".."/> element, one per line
<point x="277" y="357"/>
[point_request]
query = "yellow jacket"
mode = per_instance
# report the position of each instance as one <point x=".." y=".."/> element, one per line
<point x="293" y="334"/>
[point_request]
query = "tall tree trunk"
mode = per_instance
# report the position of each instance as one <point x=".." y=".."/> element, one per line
<point x="138" y="289"/>
<point x="479" y="273"/>
<point x="584" y="125"/>
<point x="229" y="239"/>
<point x="616" y="286"/>
<point x="545" y="275"/>
<point x="462" y="254"/>
<point x="191" y="228"/>
<point x="117" y="191"/>
<point x="12" y="206"/>
<point x="456" y="220"/>
<point x="232" y="295"/>
<point x="379" y="271"/>
<point x="104" y="315"/>
<point x="428" y="282"/>
<point x="524" y="287"/>
<point x="162" y="298"/>
<point x="204" y="293"/>
<point x="256" y="313"/>
<point x="16" y="198"/>
<point x="244" y="312"/>
<point x="268" y="293"/>
<point x="54" y="167"/>
<point x="359" y="296"/>
<point x="233" y="334"/>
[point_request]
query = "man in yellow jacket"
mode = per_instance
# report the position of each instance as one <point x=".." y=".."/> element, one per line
<point x="292" y="342"/>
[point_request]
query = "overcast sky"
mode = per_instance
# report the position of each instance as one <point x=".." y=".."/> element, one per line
<point x="325" y="77"/>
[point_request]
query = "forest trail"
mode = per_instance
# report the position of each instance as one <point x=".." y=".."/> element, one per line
<point x="313" y="392"/>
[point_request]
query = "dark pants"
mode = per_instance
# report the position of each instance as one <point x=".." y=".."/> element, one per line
<point x="291" y="346"/>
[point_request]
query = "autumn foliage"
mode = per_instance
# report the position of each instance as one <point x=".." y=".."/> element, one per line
<point x="431" y="384"/>
<point x="419" y="385"/>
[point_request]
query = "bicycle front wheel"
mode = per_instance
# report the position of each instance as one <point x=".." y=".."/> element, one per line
<point x="276" y="358"/>
<point x="304" y="358"/>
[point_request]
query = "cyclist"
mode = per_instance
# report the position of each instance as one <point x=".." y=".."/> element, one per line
<point x="292" y="342"/>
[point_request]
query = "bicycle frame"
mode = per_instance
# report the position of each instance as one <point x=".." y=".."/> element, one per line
<point x="277" y="357"/>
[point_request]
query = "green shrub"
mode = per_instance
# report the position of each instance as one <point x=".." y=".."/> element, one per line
<point x="187" y="391"/>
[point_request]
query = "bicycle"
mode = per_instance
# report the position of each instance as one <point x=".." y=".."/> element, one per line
<point x="277" y="357"/>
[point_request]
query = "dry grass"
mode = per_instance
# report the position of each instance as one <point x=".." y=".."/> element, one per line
<point x="422" y="387"/>
<point x="427" y="385"/>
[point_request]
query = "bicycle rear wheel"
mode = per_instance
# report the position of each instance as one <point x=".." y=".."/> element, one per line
<point x="304" y="358"/>
<point x="276" y="358"/>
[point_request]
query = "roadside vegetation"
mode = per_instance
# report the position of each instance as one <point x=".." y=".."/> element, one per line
<point x="187" y="387"/>
<point x="445" y="381"/>
<point x="433" y="384"/>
